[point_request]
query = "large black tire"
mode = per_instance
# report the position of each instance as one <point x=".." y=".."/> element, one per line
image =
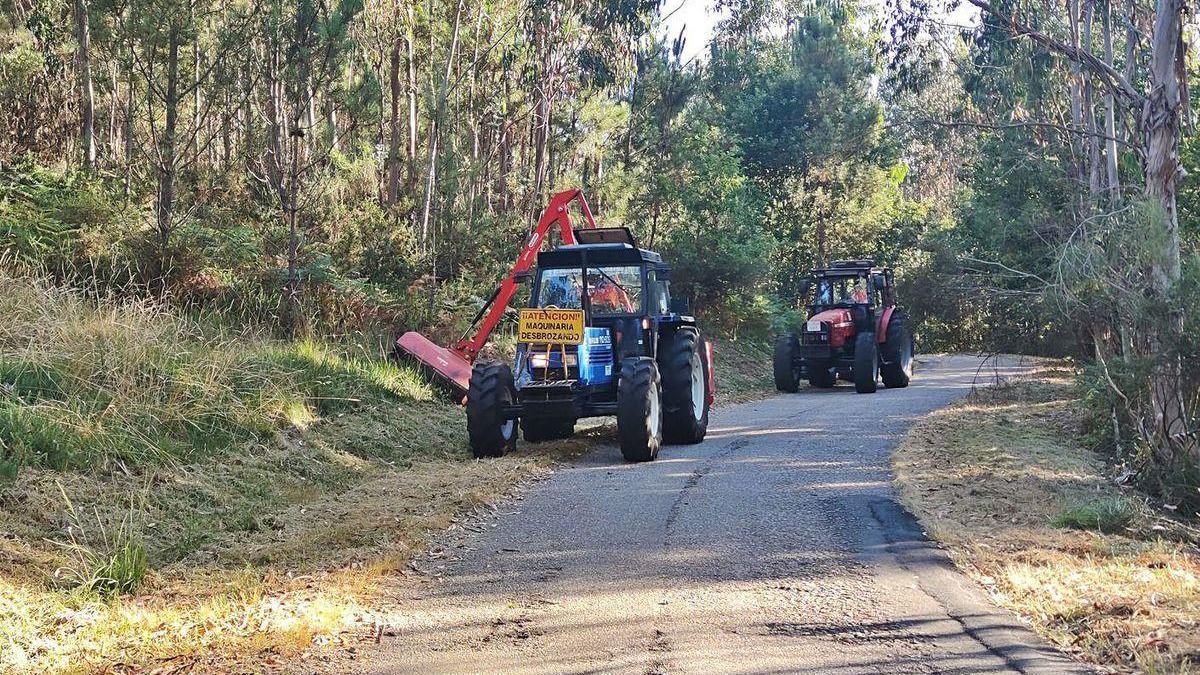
<point x="820" y="374"/>
<point x="866" y="363"/>
<point x="787" y="363"/>
<point x="898" y="350"/>
<point x="683" y="362"/>
<point x="639" y="409"/>
<point x="490" y="390"/>
<point x="541" y="430"/>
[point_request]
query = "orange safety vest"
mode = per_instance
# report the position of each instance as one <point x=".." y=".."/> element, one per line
<point x="610" y="295"/>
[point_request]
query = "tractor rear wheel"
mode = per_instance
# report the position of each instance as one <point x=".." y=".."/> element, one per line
<point x="540" y="430"/>
<point x="896" y="368"/>
<point x="787" y="363"/>
<point x="820" y="374"/>
<point x="866" y="363"/>
<point x="491" y="389"/>
<point x="639" y="409"/>
<point x="684" y="388"/>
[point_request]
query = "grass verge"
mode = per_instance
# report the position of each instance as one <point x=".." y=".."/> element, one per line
<point x="743" y="371"/>
<point x="177" y="496"/>
<point x="1031" y="514"/>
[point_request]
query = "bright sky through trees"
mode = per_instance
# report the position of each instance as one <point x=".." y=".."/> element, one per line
<point x="696" y="18"/>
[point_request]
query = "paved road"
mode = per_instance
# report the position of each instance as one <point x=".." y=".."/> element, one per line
<point x="775" y="546"/>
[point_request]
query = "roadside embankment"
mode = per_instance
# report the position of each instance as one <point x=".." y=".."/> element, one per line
<point x="1005" y="481"/>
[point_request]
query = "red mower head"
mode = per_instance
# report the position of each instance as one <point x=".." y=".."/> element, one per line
<point x="451" y="365"/>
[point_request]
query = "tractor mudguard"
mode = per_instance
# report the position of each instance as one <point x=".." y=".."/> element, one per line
<point x="712" y="376"/>
<point x="881" y="328"/>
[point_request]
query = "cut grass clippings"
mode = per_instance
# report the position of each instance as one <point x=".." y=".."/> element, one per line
<point x="1030" y="513"/>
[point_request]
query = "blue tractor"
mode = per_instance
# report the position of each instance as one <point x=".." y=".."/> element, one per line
<point x="600" y="336"/>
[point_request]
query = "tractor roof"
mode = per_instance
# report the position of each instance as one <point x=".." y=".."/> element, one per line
<point x="600" y="254"/>
<point x="847" y="268"/>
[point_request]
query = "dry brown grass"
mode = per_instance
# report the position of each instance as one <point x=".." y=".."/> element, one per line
<point x="308" y="577"/>
<point x="993" y="476"/>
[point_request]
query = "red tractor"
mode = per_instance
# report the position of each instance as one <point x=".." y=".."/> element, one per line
<point x="854" y="332"/>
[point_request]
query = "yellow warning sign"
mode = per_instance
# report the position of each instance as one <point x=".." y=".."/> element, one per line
<point x="554" y="326"/>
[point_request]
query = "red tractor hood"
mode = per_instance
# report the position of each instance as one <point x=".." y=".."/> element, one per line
<point x="841" y="326"/>
<point x="833" y="316"/>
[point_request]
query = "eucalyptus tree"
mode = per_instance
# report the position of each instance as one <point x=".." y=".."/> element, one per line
<point x="1121" y="130"/>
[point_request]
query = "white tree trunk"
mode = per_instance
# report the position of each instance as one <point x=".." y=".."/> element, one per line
<point x="1160" y="126"/>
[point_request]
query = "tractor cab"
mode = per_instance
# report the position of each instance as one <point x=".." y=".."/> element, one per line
<point x="616" y="292"/>
<point x="856" y="289"/>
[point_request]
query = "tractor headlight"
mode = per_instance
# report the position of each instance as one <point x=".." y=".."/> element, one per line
<point x="543" y="361"/>
<point x="813" y="326"/>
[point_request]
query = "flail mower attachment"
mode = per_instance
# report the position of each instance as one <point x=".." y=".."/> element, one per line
<point x="453" y="364"/>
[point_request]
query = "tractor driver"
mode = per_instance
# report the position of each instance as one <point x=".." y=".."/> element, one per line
<point x="858" y="294"/>
<point x="608" y="297"/>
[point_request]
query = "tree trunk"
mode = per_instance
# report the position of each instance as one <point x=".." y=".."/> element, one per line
<point x="410" y="181"/>
<point x="166" y="157"/>
<point x="393" y="177"/>
<point x="114" y="95"/>
<point x="1160" y="124"/>
<point x="292" y="308"/>
<point x="193" y="150"/>
<point x="128" y="121"/>
<point x="427" y="241"/>
<point x="1095" y="163"/>
<point x="227" y="133"/>
<point x="87" y="94"/>
<point x="1113" y="178"/>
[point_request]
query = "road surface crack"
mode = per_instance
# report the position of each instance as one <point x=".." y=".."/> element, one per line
<point x="693" y="480"/>
<point x="659" y="647"/>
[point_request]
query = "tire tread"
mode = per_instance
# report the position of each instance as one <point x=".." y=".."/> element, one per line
<point x="675" y="368"/>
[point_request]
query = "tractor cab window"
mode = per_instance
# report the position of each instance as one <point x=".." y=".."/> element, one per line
<point x="615" y="290"/>
<point x="561" y="289"/>
<point x="611" y="290"/>
<point x="845" y="291"/>
<point x="660" y="295"/>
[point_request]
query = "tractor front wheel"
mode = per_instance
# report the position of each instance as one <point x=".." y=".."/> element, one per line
<point x="866" y="363"/>
<point x="787" y="363"/>
<point x="897" y="353"/>
<point x="541" y="430"/>
<point x="639" y="409"/>
<point x="491" y="389"/>
<point x="684" y="388"/>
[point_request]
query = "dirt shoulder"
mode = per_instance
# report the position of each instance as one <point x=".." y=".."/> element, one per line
<point x="1006" y="483"/>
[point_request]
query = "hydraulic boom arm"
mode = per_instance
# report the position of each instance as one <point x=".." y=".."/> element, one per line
<point x="454" y="363"/>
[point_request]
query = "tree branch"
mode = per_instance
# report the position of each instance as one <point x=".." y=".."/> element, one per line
<point x="1112" y="79"/>
<point x="1021" y="125"/>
